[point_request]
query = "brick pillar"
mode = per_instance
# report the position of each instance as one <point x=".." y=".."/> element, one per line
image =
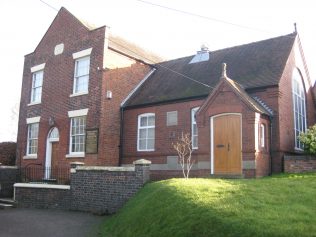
<point x="142" y="169"/>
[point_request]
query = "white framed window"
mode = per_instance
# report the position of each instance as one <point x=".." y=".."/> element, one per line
<point x="37" y="83"/>
<point x="299" y="107"/>
<point x="81" y="78"/>
<point x="262" y="135"/>
<point x="146" y="132"/>
<point x="32" y="139"/>
<point x="77" y="135"/>
<point x="194" y="129"/>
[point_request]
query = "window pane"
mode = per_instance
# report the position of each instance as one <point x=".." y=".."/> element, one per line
<point x="82" y="66"/>
<point x="142" y="133"/>
<point x="143" y="121"/>
<point x="142" y="144"/>
<point x="151" y="133"/>
<point x="150" y="144"/>
<point x="151" y="121"/>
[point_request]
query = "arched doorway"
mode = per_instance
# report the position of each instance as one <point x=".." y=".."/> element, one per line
<point x="51" y="151"/>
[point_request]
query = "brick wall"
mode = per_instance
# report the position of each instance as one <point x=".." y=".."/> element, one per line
<point x="8" y="176"/>
<point x="299" y="164"/>
<point x="96" y="189"/>
<point x="224" y="102"/>
<point x="43" y="196"/>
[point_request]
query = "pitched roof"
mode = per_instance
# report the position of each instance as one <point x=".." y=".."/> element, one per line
<point x="251" y="65"/>
<point x="132" y="50"/>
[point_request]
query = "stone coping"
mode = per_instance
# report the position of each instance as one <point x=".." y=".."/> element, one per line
<point x="48" y="186"/>
<point x="303" y="157"/>
<point x="8" y="167"/>
<point x="105" y="168"/>
<point x="142" y="162"/>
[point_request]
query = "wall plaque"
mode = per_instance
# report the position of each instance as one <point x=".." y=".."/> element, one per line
<point x="92" y="141"/>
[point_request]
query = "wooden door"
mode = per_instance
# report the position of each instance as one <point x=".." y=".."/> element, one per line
<point x="227" y="144"/>
<point x="54" y="159"/>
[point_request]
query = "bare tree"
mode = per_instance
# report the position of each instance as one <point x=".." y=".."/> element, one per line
<point x="184" y="148"/>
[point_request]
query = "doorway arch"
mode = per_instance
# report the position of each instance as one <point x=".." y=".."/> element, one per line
<point x="51" y="143"/>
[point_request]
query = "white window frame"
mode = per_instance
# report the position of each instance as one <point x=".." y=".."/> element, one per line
<point x="299" y="107"/>
<point x="139" y="127"/>
<point x="262" y="135"/>
<point x="34" y="88"/>
<point x="193" y="123"/>
<point x="81" y="153"/>
<point x="76" y="77"/>
<point x="29" y="139"/>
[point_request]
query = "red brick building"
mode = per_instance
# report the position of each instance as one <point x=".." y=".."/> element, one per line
<point x="241" y="126"/>
<point x="73" y="85"/>
<point x="91" y="97"/>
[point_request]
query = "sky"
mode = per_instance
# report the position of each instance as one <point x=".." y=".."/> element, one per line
<point x="169" y="33"/>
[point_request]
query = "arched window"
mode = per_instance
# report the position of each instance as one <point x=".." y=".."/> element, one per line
<point x="146" y="132"/>
<point x="299" y="106"/>
<point x="54" y="135"/>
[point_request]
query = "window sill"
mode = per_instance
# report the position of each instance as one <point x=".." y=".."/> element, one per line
<point x="34" y="103"/>
<point x="78" y="94"/>
<point x="144" y="150"/>
<point x="75" y="155"/>
<point x="30" y="157"/>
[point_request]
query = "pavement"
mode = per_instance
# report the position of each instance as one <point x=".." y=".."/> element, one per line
<point x="20" y="222"/>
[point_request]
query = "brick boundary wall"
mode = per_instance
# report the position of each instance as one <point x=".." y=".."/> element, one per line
<point x="299" y="164"/>
<point x="97" y="189"/>
<point x="50" y="196"/>
<point x="8" y="176"/>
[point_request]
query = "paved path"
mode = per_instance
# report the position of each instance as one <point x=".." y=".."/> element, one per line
<point x="19" y="222"/>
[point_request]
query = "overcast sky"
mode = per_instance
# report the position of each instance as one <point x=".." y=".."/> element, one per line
<point x="166" y="32"/>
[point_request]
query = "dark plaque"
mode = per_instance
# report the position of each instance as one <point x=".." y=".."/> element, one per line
<point x="92" y="141"/>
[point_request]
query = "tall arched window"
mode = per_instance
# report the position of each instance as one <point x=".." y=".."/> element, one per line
<point x="299" y="106"/>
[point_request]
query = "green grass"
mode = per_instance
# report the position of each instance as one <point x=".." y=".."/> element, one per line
<point x="283" y="205"/>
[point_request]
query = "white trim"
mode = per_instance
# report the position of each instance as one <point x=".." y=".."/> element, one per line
<point x="48" y="186"/>
<point x="105" y="168"/>
<point x="76" y="155"/>
<point x="138" y="127"/>
<point x="34" y="103"/>
<point x="77" y="113"/>
<point x="193" y="111"/>
<point x="256" y="125"/>
<point x="38" y="67"/>
<point x="136" y="88"/>
<point x="33" y="120"/>
<point x="262" y="135"/>
<point x="30" y="157"/>
<point x="78" y="94"/>
<point x="82" y="53"/>
<point x="212" y="136"/>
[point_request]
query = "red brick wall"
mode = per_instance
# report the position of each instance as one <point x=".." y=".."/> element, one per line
<point x="164" y="135"/>
<point x="121" y="82"/>
<point x="225" y="102"/>
<point x="299" y="164"/>
<point x="58" y="84"/>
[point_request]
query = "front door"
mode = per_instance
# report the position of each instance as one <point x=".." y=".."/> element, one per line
<point x="227" y="144"/>
<point x="54" y="157"/>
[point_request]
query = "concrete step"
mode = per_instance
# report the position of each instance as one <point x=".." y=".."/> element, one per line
<point x="5" y="206"/>
<point x="7" y="202"/>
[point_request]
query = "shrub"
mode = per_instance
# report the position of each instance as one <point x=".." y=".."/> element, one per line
<point x="7" y="153"/>
<point x="309" y="140"/>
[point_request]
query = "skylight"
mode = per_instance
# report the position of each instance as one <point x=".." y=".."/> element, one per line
<point x="201" y="56"/>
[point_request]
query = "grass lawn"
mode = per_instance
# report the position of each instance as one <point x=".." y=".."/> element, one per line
<point x="283" y="205"/>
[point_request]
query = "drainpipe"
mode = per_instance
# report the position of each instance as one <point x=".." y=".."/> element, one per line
<point x="121" y="135"/>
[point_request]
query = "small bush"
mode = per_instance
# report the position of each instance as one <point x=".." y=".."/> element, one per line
<point x="309" y="140"/>
<point x="7" y="153"/>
